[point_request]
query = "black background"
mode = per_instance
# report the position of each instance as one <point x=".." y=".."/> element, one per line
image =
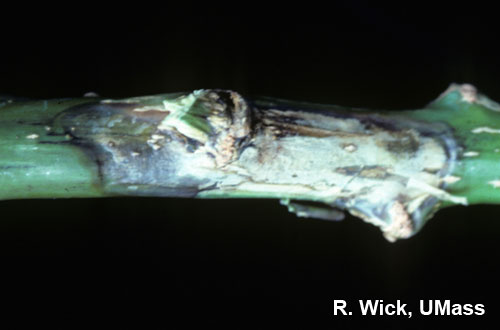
<point x="153" y="262"/>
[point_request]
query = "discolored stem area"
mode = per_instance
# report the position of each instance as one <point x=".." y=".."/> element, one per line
<point x="392" y="169"/>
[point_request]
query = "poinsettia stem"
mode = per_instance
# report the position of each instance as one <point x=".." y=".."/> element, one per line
<point x="393" y="169"/>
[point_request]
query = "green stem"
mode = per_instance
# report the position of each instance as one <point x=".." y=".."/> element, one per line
<point x="392" y="169"/>
<point x="475" y="120"/>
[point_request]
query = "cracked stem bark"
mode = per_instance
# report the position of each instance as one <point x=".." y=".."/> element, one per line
<point x="392" y="169"/>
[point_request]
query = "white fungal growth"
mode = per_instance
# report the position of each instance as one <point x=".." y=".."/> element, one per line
<point x="495" y="183"/>
<point x="401" y="226"/>
<point x="450" y="179"/>
<point x="350" y="147"/>
<point x="32" y="136"/>
<point x="154" y="141"/>
<point x="478" y="130"/>
<point x="148" y="108"/>
<point x="471" y="154"/>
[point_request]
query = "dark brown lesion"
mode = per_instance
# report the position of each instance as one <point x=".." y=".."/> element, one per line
<point x="298" y="122"/>
<point x="282" y="129"/>
<point x="370" y="171"/>
<point x="130" y="147"/>
<point x="404" y="142"/>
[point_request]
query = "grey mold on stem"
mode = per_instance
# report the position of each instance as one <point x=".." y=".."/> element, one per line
<point x="214" y="143"/>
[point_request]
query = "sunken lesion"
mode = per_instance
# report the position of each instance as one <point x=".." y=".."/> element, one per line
<point x="388" y="171"/>
<point x="214" y="142"/>
<point x="164" y="148"/>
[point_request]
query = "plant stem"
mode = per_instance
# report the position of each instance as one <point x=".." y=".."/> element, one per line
<point x="392" y="169"/>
